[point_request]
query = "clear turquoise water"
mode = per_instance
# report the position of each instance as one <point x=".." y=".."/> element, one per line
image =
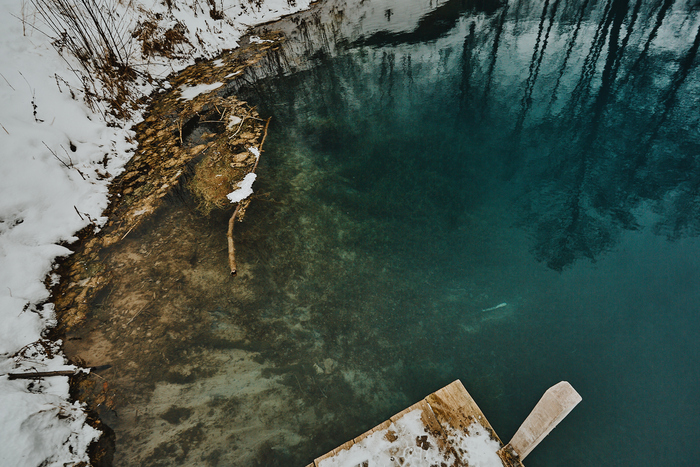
<point x="542" y="155"/>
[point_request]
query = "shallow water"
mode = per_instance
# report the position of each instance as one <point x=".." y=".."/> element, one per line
<point x="544" y="156"/>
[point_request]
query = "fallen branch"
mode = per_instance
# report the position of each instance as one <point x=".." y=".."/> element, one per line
<point x="231" y="246"/>
<point x="232" y="220"/>
<point x="40" y="374"/>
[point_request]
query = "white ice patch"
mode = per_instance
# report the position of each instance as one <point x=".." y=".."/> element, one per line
<point x="255" y="152"/>
<point x="257" y="40"/>
<point x="231" y="75"/>
<point x="233" y="121"/>
<point x="500" y="305"/>
<point x="190" y="92"/>
<point x="244" y="188"/>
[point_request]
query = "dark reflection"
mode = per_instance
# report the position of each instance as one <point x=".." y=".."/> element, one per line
<point x="433" y="25"/>
<point x="498" y="30"/>
<point x="571" y="42"/>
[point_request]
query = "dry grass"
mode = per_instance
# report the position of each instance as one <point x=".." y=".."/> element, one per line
<point x="93" y="32"/>
<point x="227" y="159"/>
<point x="156" y="40"/>
<point x="213" y="179"/>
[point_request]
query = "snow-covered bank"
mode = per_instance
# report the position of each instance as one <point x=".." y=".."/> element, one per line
<point x="57" y="159"/>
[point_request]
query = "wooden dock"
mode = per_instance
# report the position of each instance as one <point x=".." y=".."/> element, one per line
<point x="448" y="428"/>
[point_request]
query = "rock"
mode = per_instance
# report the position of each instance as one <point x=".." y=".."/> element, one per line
<point x="329" y="365"/>
<point x="240" y="157"/>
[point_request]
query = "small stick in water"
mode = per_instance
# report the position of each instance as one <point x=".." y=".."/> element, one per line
<point x="232" y="220"/>
<point x="231" y="247"/>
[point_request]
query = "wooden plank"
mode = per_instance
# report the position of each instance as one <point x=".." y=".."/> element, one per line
<point x="454" y="408"/>
<point x="387" y="423"/>
<point x="555" y="404"/>
<point x="433" y="426"/>
<point x="335" y="451"/>
<point x="379" y="427"/>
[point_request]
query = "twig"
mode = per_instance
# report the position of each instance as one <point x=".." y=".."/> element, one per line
<point x="3" y="127"/>
<point x="231" y="246"/>
<point x="240" y="126"/>
<point x="8" y="83"/>
<point x="40" y="374"/>
<point x="127" y="233"/>
<point x="295" y="377"/>
<point x="73" y="165"/>
<point x="232" y="220"/>
<point x="76" y="210"/>
<point x="56" y="156"/>
<point x="267" y="124"/>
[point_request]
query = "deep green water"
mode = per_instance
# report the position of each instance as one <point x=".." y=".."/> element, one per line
<point x="542" y="155"/>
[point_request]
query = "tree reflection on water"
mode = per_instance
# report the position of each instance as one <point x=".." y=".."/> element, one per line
<point x="586" y="106"/>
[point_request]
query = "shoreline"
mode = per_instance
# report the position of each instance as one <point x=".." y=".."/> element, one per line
<point x="165" y="156"/>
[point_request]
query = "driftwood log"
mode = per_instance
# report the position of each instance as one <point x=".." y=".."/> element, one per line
<point x="244" y="203"/>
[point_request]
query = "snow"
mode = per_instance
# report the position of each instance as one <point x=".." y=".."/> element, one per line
<point x="384" y="448"/>
<point x="255" y="152"/>
<point x="233" y="121"/>
<point x="190" y="92"/>
<point x="57" y="159"/>
<point x="476" y="446"/>
<point x="257" y="40"/>
<point x="244" y="188"/>
<point x="378" y="451"/>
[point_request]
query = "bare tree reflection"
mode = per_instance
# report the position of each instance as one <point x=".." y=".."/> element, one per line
<point x="600" y="120"/>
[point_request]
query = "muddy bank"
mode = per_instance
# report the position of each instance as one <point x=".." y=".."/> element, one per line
<point x="174" y="133"/>
<point x="114" y="314"/>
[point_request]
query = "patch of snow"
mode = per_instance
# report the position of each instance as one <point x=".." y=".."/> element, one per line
<point x="255" y="152"/>
<point x="190" y="92"/>
<point x="244" y="188"/>
<point x="476" y="446"/>
<point x="233" y="121"/>
<point x="257" y="40"/>
<point x="406" y="438"/>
